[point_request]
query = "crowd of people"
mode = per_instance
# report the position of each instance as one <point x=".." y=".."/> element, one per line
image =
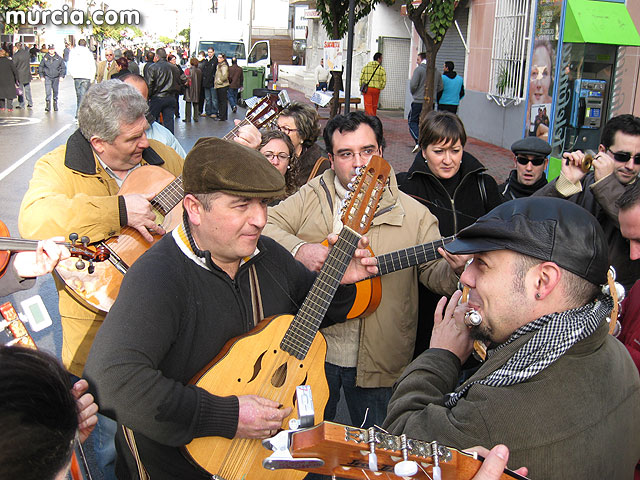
<point x="260" y="215"/>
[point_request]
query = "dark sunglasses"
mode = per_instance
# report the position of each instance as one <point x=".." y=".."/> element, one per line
<point x="536" y="161"/>
<point x="624" y="157"/>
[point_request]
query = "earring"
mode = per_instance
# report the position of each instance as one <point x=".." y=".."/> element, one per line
<point x="538" y="296"/>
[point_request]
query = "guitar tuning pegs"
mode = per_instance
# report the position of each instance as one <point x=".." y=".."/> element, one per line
<point x="79" y="264"/>
<point x="406" y="468"/>
<point x="84" y="240"/>
<point x="73" y="237"/>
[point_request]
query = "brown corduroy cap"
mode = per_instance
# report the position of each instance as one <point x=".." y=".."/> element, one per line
<point x="216" y="165"/>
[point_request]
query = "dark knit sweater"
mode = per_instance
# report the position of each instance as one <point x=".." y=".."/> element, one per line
<point x="171" y="318"/>
<point x="512" y="188"/>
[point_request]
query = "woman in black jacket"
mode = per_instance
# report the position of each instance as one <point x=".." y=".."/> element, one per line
<point x="452" y="184"/>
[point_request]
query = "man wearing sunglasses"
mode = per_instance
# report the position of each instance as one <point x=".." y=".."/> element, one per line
<point x="615" y="169"/>
<point x="530" y="161"/>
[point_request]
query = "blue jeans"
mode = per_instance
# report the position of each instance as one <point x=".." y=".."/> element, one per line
<point x="166" y="106"/>
<point x="358" y="399"/>
<point x="81" y="84"/>
<point x="210" y="101"/>
<point x="414" y="120"/>
<point x="232" y="94"/>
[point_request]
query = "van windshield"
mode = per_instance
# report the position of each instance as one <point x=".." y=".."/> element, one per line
<point x="230" y="49"/>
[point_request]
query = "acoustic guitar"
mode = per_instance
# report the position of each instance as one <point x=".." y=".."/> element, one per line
<point x="369" y="290"/>
<point x="285" y="351"/>
<point x="99" y="291"/>
<point x="349" y="452"/>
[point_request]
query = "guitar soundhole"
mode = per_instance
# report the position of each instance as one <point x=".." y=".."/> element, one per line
<point x="256" y="368"/>
<point x="279" y="376"/>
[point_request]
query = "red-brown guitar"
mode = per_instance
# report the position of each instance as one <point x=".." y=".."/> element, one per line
<point x="100" y="290"/>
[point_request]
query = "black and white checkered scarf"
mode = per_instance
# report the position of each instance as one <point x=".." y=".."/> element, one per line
<point x="555" y="334"/>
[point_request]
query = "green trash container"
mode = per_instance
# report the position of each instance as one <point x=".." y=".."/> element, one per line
<point x="253" y="78"/>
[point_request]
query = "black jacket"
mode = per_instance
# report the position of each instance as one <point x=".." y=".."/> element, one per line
<point x="21" y="59"/>
<point x="467" y="203"/>
<point x="179" y="80"/>
<point x="52" y="66"/>
<point x="208" y="68"/>
<point x="159" y="77"/>
<point x="512" y="188"/>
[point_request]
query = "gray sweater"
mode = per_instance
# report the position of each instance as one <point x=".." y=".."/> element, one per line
<point x="418" y="79"/>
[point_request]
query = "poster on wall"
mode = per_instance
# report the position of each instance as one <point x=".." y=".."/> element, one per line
<point x="333" y="55"/>
<point x="543" y="61"/>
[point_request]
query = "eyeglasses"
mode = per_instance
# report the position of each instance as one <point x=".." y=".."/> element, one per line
<point x="109" y="55"/>
<point x="365" y="154"/>
<point x="624" y="157"/>
<point x="287" y="130"/>
<point x="282" y="157"/>
<point x="535" y="161"/>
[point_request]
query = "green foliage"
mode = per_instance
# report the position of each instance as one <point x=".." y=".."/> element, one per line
<point x="437" y="14"/>
<point x="335" y="14"/>
<point x="165" y="40"/>
<point x="113" y="31"/>
<point x="186" y="33"/>
<point x="20" y="5"/>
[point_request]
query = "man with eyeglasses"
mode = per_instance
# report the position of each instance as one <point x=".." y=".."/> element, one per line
<point x="365" y="356"/>
<point x="106" y="67"/>
<point x="530" y="161"/>
<point x="615" y="169"/>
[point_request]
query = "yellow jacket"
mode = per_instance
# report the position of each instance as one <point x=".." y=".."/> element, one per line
<point x="71" y="193"/>
<point x="379" y="79"/>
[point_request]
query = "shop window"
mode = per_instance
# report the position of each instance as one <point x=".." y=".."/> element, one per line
<point x="511" y="42"/>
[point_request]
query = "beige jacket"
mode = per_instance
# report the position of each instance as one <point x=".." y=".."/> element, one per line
<point x="103" y="73"/>
<point x="222" y="76"/>
<point x="387" y="336"/>
<point x="70" y="192"/>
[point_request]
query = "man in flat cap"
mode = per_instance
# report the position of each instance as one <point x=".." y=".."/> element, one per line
<point x="531" y="156"/>
<point x="555" y="387"/>
<point x="616" y="166"/>
<point x="208" y="281"/>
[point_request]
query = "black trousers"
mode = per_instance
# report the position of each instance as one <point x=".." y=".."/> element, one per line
<point x="222" y="103"/>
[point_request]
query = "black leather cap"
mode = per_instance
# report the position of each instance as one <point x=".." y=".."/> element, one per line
<point x="531" y="146"/>
<point x="216" y="165"/>
<point x="550" y="229"/>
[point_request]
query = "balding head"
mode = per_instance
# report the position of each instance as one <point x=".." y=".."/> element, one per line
<point x="137" y="82"/>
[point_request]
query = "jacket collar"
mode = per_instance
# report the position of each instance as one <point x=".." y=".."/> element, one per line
<point x="79" y="155"/>
<point x="520" y="190"/>
<point x="389" y="212"/>
<point x="470" y="164"/>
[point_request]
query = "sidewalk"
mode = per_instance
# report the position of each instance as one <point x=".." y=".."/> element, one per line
<point x="498" y="160"/>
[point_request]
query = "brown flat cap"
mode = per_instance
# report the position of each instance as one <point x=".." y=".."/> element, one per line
<point x="216" y="165"/>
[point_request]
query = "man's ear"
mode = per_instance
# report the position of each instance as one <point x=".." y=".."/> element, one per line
<point x="547" y="276"/>
<point x="331" y="159"/>
<point x="602" y="148"/>
<point x="193" y="207"/>
<point x="98" y="144"/>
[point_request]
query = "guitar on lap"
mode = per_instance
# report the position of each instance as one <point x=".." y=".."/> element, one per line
<point x="100" y="290"/>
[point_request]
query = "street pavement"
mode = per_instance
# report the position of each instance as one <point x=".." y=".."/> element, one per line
<point x="27" y="134"/>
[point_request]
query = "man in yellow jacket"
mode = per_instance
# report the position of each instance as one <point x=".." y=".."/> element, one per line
<point x="373" y="79"/>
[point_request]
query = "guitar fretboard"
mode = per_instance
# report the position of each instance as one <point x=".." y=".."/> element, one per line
<point x="173" y="193"/>
<point x="306" y="323"/>
<point x="410" y="257"/>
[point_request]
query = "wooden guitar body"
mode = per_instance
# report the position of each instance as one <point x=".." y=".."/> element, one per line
<point x="100" y="289"/>
<point x="254" y="364"/>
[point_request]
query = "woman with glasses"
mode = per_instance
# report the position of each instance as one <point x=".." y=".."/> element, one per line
<point x="301" y="122"/>
<point x="452" y="184"/>
<point x="276" y="146"/>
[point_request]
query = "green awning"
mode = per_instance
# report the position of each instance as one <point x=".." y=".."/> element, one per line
<point x="593" y="21"/>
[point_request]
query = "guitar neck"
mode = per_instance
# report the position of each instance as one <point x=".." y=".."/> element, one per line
<point x="173" y="193"/>
<point x="307" y="321"/>
<point x="410" y="257"/>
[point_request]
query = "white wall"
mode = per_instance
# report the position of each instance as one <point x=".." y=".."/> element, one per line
<point x="271" y="14"/>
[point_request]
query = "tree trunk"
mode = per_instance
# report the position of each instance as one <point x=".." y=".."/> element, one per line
<point x="337" y="82"/>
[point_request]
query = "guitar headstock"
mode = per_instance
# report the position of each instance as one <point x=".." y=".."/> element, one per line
<point x="268" y="108"/>
<point x="365" y="193"/>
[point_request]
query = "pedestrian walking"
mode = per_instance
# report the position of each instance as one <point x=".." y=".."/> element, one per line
<point x="453" y="89"/>
<point x="209" y="66"/>
<point x="373" y="79"/>
<point x="179" y="81"/>
<point x="52" y="69"/>
<point x="417" y="89"/>
<point x="82" y="67"/>
<point x="221" y="85"/>
<point x="106" y="67"/>
<point x="21" y="59"/>
<point x="8" y="81"/>
<point x="159" y="78"/>
<point x="236" y="81"/>
<point x="322" y="76"/>
<point x="192" y="92"/>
